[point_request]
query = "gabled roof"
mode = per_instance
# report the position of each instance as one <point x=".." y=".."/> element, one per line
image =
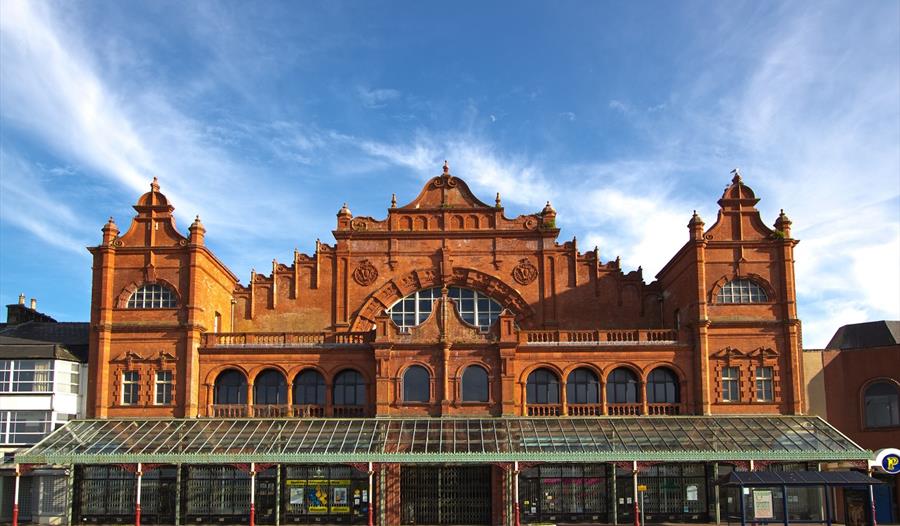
<point x="865" y="335"/>
<point x="71" y="336"/>
<point x="22" y="349"/>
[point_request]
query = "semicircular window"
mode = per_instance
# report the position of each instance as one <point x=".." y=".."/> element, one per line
<point x="474" y="307"/>
<point x="742" y="290"/>
<point x="152" y="296"/>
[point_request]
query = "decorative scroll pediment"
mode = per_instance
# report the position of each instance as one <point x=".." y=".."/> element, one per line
<point x="728" y="353"/>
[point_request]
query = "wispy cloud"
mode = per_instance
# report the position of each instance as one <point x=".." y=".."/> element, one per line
<point x="376" y="98"/>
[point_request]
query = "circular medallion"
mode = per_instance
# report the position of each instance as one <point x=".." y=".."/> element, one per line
<point x="365" y="273"/>
<point x="525" y="272"/>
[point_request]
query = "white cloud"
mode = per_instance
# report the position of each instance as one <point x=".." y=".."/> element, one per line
<point x="376" y="98"/>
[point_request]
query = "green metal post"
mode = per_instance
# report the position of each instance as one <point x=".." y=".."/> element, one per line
<point x="177" y="494"/>
<point x="70" y="493"/>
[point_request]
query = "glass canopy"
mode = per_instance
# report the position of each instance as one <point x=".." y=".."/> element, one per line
<point x="688" y="438"/>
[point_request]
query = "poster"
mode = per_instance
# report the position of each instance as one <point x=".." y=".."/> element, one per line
<point x="296" y="496"/>
<point x="762" y="504"/>
<point x="340" y="502"/>
<point x="317" y="499"/>
<point x="691" y="493"/>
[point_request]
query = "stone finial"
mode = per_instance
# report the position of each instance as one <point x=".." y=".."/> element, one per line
<point x="737" y="176"/>
<point x="393" y="200"/>
<point x="197" y="231"/>
<point x="497" y="201"/>
<point x="783" y="224"/>
<point x="110" y="231"/>
<point x="695" y="225"/>
<point x="154" y="185"/>
<point x="548" y="209"/>
<point x="446" y="168"/>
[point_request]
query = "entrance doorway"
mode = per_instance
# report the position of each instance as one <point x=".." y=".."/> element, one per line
<point x="445" y="494"/>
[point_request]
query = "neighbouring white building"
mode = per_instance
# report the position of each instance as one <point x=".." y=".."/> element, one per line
<point x="43" y="366"/>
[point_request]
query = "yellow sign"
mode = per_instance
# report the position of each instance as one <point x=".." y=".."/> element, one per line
<point x="642" y="487"/>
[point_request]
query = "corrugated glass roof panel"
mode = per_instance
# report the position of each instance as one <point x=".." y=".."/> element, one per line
<point x="598" y="439"/>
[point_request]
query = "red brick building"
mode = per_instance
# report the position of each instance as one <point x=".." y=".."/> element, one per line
<point x="432" y="331"/>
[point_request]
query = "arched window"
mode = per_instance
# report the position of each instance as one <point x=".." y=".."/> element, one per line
<point x="475" y="384"/>
<point x="416" y="386"/>
<point x="152" y="296"/>
<point x="622" y="387"/>
<point x="309" y="388"/>
<point x="662" y="387"/>
<point x="349" y="388"/>
<point x="269" y="388"/>
<point x="542" y="387"/>
<point x="474" y="307"/>
<point x="742" y="290"/>
<point x="582" y="387"/>
<point x="231" y="388"/>
<point x="882" y="403"/>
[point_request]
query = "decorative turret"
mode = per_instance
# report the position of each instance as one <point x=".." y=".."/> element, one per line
<point x="344" y="216"/>
<point x="548" y="216"/>
<point x="783" y="225"/>
<point x="197" y="232"/>
<point x="154" y="202"/>
<point x="110" y="231"/>
<point x="738" y="196"/>
<point x="695" y="225"/>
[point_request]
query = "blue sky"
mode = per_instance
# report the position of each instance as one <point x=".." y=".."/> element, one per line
<point x="264" y="117"/>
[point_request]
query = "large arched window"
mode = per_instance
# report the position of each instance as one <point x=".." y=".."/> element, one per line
<point x="152" y="296"/>
<point x="475" y="384"/>
<point x="882" y="403"/>
<point x="622" y="387"/>
<point x="231" y="388"/>
<point x="349" y="388"/>
<point x="474" y="307"/>
<point x="742" y="290"/>
<point x="542" y="387"/>
<point x="662" y="387"/>
<point x="582" y="387"/>
<point x="309" y="388"/>
<point x="416" y="386"/>
<point x="269" y="388"/>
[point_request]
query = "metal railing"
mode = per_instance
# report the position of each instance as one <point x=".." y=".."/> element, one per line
<point x="597" y="337"/>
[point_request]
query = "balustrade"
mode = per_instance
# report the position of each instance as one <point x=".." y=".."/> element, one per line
<point x="624" y="409"/>
<point x="597" y="337"/>
<point x="284" y="339"/>
<point x="585" y="409"/>
<point x="349" y="411"/>
<point x="544" y="410"/>
<point x="308" y="411"/>
<point x="228" y="411"/>
<point x="664" y="409"/>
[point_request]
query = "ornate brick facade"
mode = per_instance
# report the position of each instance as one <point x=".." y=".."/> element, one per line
<point x="562" y="310"/>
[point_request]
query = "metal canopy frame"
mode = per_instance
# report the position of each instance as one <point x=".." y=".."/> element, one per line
<point x="464" y="440"/>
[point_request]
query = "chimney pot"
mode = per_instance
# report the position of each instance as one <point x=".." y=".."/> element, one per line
<point x="33" y="304"/>
<point x="22" y="299"/>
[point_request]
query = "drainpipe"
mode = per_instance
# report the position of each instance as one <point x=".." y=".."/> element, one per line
<point x="634" y="482"/>
<point x="371" y="497"/>
<point x="252" y="493"/>
<point x="516" y="491"/>
<point x="137" y="502"/>
<point x="15" y="515"/>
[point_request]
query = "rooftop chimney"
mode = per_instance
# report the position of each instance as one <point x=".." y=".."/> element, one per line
<point x="33" y="304"/>
<point x="20" y="313"/>
<point x="22" y="299"/>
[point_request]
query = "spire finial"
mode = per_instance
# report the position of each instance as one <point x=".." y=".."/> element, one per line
<point x="446" y="168"/>
<point x="154" y="186"/>
<point x="497" y="201"/>
<point x="737" y="176"/>
<point x="393" y="200"/>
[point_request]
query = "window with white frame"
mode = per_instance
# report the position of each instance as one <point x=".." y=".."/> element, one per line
<point x="474" y="307"/>
<point x="764" y="389"/>
<point x="26" y="376"/>
<point x="67" y="376"/>
<point x="163" y="387"/>
<point x="23" y="427"/>
<point x="130" y="385"/>
<point x="742" y="291"/>
<point x="152" y="296"/>
<point x="731" y="384"/>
